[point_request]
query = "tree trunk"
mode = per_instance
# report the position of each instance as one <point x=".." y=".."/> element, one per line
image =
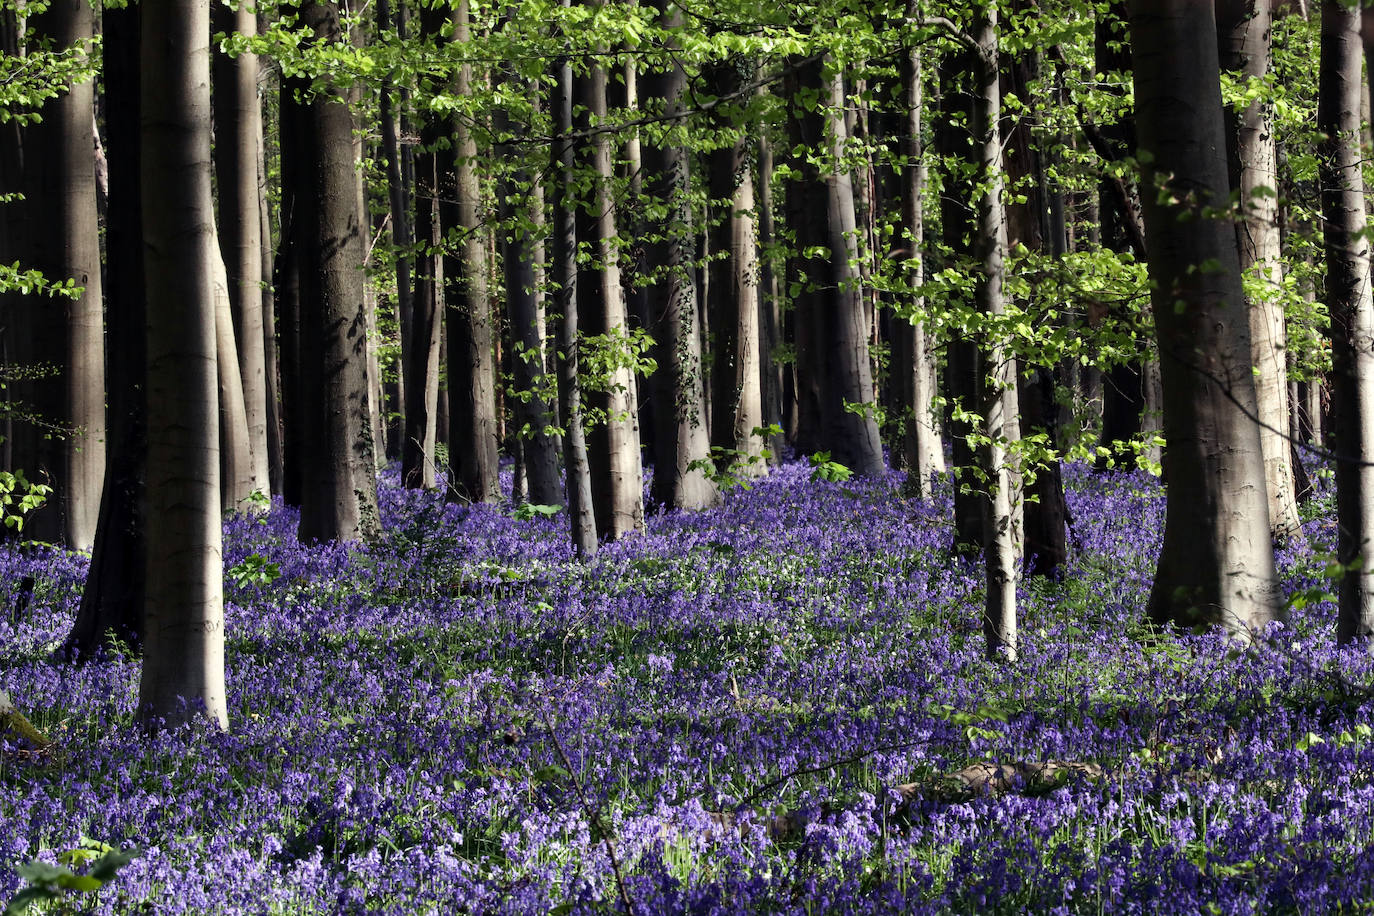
<point x="1243" y="28"/>
<point x="538" y="446"/>
<point x="733" y="304"/>
<point x="238" y="118"/>
<point x="563" y="278"/>
<point x="286" y="282"/>
<point x="613" y="443"/>
<point x="912" y="359"/>
<point x="183" y="663"/>
<point x="113" y="598"/>
<point x="682" y="444"/>
<point x="271" y="363"/>
<point x="473" y="420"/>
<point x="339" y="500"/>
<point x="1348" y="300"/>
<point x="771" y="339"/>
<point x="236" y="467"/>
<point x="61" y="440"/>
<point x="1216" y="566"/>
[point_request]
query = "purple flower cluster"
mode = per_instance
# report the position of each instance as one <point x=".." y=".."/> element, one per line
<point x="758" y="708"/>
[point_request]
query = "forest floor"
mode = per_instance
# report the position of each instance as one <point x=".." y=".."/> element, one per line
<point x="777" y="706"/>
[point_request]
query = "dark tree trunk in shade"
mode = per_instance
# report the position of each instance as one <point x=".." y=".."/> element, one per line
<point x="1046" y="547"/>
<point x="771" y="338"/>
<point x="183" y="661"/>
<point x="400" y="176"/>
<point x="339" y="499"/>
<point x="112" y="600"/>
<point x="473" y="420"/>
<point x="682" y="442"/>
<point x="563" y="278"/>
<point x="421" y="310"/>
<point x="537" y="446"/>
<point x="238" y="119"/>
<point x="271" y="361"/>
<point x="613" y="442"/>
<point x="1348" y="300"/>
<point x="286" y="281"/>
<point x="1216" y="566"/>
<point x="1243" y="29"/>
<point x="55" y="230"/>
<point x="953" y="141"/>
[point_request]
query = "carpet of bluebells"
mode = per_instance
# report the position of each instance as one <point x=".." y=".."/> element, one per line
<point x="458" y="717"/>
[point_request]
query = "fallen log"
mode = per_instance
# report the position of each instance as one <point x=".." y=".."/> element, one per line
<point x="13" y="720"/>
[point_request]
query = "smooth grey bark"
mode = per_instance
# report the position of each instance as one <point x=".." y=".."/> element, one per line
<point x="733" y="302"/>
<point x="997" y="374"/>
<point x="286" y="284"/>
<point x="238" y="120"/>
<point x="113" y="597"/>
<point x="1244" y="29"/>
<point x="339" y="499"/>
<point x="613" y="442"/>
<point x="183" y="662"/>
<point x="58" y="341"/>
<point x="775" y="390"/>
<point x="1216" y="566"/>
<point x="271" y="364"/>
<point x="912" y="358"/>
<point x="1348" y="300"/>
<point x="682" y="443"/>
<point x="474" y="421"/>
<point x="237" y="477"/>
<point x="563" y="279"/>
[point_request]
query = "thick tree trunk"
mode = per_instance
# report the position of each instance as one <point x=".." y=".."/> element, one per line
<point x="613" y="443"/>
<point x="61" y="441"/>
<point x="563" y="277"/>
<point x="1216" y="566"/>
<point x="183" y="663"/>
<point x="339" y="500"/>
<point x="473" y="420"/>
<point x="733" y="303"/>
<point x="1243" y="28"/>
<point x="682" y="442"/>
<point x="113" y="598"/>
<point x="1348" y="300"/>
<point x="238" y="119"/>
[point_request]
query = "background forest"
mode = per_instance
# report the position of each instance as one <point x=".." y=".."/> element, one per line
<point x="668" y="456"/>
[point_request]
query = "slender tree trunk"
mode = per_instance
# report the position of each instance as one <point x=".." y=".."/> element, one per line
<point x="473" y="421"/>
<point x="183" y="662"/>
<point x="238" y="119"/>
<point x="1216" y="566"/>
<point x="113" y="598"/>
<point x="1243" y="27"/>
<point x="287" y="285"/>
<point x="775" y="392"/>
<point x="62" y="441"/>
<point x="912" y="359"/>
<point x="339" y="500"/>
<point x="613" y="443"/>
<point x="271" y="362"/>
<point x="682" y="443"/>
<point x="236" y="467"/>
<point x="399" y="170"/>
<point x="1348" y="300"/>
<point x="538" y="446"/>
<point x="563" y="277"/>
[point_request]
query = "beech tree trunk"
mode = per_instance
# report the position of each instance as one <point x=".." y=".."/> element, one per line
<point x="183" y="663"/>
<point x="236" y="467"/>
<point x="54" y="229"/>
<point x="473" y="420"/>
<point x="1348" y="299"/>
<point x="1243" y="28"/>
<point x="613" y="443"/>
<point x="736" y="383"/>
<point x="113" y="598"/>
<point x="1216" y="567"/>
<point x="238" y="118"/>
<point x="912" y="358"/>
<point x="286" y="281"/>
<point x="339" y="499"/>
<point x="563" y="278"/>
<point x="682" y="443"/>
